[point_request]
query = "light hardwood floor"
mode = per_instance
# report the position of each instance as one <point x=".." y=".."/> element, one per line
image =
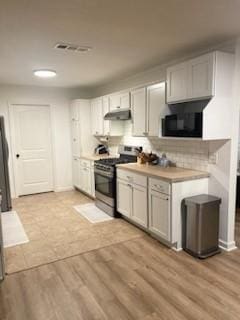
<point x="136" y="279"/>
<point x="130" y="280"/>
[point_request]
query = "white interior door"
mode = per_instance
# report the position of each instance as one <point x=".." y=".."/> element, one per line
<point x="32" y="149"/>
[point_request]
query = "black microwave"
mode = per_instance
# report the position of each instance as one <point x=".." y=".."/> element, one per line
<point x="183" y="125"/>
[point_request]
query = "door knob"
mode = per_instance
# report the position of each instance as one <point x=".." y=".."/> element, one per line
<point x="17" y="155"/>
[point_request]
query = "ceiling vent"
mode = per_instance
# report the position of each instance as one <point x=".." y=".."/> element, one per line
<point x="72" y="47"/>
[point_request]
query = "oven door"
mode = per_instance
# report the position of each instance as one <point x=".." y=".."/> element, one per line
<point x="104" y="184"/>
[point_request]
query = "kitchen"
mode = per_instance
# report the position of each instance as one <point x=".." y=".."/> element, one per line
<point x="101" y="171"/>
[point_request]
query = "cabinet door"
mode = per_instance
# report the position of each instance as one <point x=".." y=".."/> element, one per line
<point x="106" y="123"/>
<point x="177" y="78"/>
<point x="97" y="117"/>
<point x="74" y="111"/>
<point x="119" y="101"/>
<point x="75" y="172"/>
<point x="76" y="149"/>
<point x="139" y="205"/>
<point x="156" y="108"/>
<point x="114" y="102"/>
<point x="92" y="182"/>
<point x="159" y="214"/>
<point x="86" y="180"/>
<point x="201" y="76"/>
<point x="124" y="198"/>
<point x="125" y="100"/>
<point x="138" y="102"/>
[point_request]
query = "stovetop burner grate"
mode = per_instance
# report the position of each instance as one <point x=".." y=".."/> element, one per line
<point x="114" y="161"/>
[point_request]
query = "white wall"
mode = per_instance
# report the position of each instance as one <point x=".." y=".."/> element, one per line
<point x="58" y="99"/>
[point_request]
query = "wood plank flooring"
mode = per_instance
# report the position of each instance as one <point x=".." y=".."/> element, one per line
<point x="126" y="276"/>
<point x="135" y="279"/>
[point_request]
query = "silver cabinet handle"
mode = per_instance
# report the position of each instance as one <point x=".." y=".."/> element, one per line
<point x="157" y="186"/>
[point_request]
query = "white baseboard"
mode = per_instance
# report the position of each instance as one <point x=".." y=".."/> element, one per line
<point x="227" y="246"/>
<point x="62" y="189"/>
<point x="176" y="249"/>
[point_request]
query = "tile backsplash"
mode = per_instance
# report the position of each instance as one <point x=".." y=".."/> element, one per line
<point x="185" y="153"/>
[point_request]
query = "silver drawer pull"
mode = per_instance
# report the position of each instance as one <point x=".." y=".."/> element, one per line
<point x="157" y="186"/>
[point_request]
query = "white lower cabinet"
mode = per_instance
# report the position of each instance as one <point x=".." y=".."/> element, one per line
<point x="132" y="202"/>
<point x="132" y="196"/>
<point x="124" y="198"/>
<point x="83" y="176"/>
<point x="139" y="205"/>
<point x="76" y="177"/>
<point x="159" y="214"/>
<point x="146" y="201"/>
<point x="85" y="180"/>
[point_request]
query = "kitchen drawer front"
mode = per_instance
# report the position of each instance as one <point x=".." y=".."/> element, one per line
<point x="85" y="163"/>
<point x="132" y="177"/>
<point x="159" y="185"/>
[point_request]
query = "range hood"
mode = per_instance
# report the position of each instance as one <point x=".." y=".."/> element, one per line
<point x="118" y="114"/>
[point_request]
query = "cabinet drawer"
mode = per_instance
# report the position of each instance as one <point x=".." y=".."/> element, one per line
<point x="85" y="163"/>
<point x="132" y="177"/>
<point x="159" y="185"/>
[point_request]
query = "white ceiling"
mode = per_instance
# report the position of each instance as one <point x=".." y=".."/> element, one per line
<point x="127" y="36"/>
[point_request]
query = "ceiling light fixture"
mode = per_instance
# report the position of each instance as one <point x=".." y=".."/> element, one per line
<point x="44" y="73"/>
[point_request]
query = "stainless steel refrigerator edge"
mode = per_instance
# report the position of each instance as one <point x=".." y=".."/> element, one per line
<point x="2" y="269"/>
<point x="4" y="173"/>
<point x="5" y="194"/>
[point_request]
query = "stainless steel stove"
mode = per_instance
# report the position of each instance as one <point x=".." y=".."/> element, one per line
<point x="105" y="178"/>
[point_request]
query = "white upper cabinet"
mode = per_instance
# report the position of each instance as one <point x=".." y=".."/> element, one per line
<point x="201" y="77"/>
<point x="119" y="101"/>
<point x="138" y="104"/>
<point x="156" y="108"/>
<point x="106" y="123"/>
<point x="83" y="141"/>
<point x="148" y="108"/>
<point x="97" y="116"/>
<point x="74" y="110"/>
<point x="111" y="128"/>
<point x="191" y="80"/>
<point x="177" y="83"/>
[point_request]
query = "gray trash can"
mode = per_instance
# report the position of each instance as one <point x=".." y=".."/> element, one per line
<point x="202" y="225"/>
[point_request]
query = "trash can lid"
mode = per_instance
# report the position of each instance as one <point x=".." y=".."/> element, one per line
<point x="202" y="199"/>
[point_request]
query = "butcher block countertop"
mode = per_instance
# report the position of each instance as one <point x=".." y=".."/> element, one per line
<point x="170" y="174"/>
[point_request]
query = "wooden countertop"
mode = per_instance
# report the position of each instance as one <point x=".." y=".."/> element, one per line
<point x="170" y="174"/>
<point x="94" y="157"/>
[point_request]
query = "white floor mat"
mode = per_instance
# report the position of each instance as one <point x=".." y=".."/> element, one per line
<point x="92" y="213"/>
<point x="13" y="231"/>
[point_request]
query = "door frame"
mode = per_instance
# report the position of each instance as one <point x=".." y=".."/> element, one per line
<point x="13" y="142"/>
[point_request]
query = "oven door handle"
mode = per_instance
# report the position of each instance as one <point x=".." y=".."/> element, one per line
<point x="103" y="173"/>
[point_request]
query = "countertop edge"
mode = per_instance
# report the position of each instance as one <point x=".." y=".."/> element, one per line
<point x="174" y="180"/>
